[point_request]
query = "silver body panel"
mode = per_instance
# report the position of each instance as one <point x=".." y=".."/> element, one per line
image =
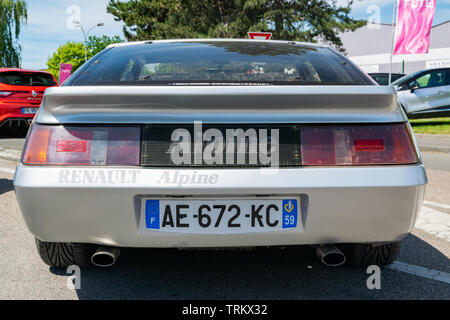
<point x="338" y="205"/>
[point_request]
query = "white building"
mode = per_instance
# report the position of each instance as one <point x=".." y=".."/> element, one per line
<point x="370" y="48"/>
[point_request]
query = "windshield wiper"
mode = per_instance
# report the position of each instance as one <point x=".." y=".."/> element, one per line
<point x="147" y="77"/>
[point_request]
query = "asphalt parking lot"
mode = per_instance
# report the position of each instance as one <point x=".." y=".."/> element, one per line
<point x="422" y="270"/>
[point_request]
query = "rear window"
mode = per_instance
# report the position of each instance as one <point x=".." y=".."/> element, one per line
<point x="383" y="79"/>
<point x="27" y="79"/>
<point x="218" y="63"/>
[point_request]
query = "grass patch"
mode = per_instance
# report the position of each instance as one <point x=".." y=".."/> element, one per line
<point x="431" y="126"/>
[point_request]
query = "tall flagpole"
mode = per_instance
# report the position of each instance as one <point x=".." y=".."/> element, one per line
<point x="393" y="41"/>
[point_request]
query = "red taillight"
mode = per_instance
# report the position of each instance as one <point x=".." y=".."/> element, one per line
<point x="357" y="145"/>
<point x="369" y="145"/>
<point x="70" y="145"/>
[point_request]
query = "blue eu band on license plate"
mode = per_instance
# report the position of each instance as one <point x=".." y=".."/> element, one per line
<point x="222" y="216"/>
<point x="152" y="214"/>
<point x="29" y="110"/>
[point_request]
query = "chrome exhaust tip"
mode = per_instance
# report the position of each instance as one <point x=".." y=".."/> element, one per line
<point x="105" y="256"/>
<point x="330" y="255"/>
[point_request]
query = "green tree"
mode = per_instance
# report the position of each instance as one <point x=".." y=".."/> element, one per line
<point x="73" y="52"/>
<point x="299" y="20"/>
<point x="96" y="44"/>
<point x="13" y="13"/>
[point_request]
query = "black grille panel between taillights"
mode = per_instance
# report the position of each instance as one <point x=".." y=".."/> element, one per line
<point x="200" y="145"/>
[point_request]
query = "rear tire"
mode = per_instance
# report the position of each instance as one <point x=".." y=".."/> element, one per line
<point x="363" y="255"/>
<point x="62" y="255"/>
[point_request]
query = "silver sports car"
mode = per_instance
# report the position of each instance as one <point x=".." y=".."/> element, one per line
<point x="219" y="143"/>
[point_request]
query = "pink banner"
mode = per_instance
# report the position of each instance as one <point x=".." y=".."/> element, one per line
<point x="65" y="70"/>
<point x="414" y="21"/>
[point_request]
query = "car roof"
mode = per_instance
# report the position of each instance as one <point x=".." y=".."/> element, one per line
<point x="22" y="70"/>
<point x="385" y="73"/>
<point x="432" y="69"/>
<point x="416" y="74"/>
<point x="124" y="44"/>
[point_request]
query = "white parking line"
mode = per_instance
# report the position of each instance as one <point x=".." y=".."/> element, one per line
<point x="437" y="204"/>
<point x="434" y="222"/>
<point x="420" y="271"/>
<point x="7" y="166"/>
<point x="10" y="153"/>
<point x="7" y="170"/>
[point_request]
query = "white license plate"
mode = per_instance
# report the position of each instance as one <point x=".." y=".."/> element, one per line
<point x="221" y="216"/>
<point x="29" y="110"/>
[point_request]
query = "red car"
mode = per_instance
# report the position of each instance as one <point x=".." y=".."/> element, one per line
<point x="21" y="93"/>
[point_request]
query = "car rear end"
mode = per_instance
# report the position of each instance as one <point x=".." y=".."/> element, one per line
<point x="21" y="93"/>
<point x="293" y="154"/>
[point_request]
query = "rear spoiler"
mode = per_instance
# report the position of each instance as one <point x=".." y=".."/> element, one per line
<point x="219" y="104"/>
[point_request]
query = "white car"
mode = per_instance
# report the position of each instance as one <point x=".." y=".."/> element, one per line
<point x="425" y="93"/>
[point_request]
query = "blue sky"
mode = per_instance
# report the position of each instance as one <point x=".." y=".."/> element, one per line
<point x="47" y="27"/>
<point x="48" y="21"/>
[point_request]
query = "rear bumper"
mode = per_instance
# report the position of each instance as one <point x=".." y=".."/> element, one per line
<point x="12" y="113"/>
<point x="103" y="205"/>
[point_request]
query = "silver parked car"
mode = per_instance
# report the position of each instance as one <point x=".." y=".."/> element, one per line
<point x="218" y="144"/>
<point x="425" y="93"/>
